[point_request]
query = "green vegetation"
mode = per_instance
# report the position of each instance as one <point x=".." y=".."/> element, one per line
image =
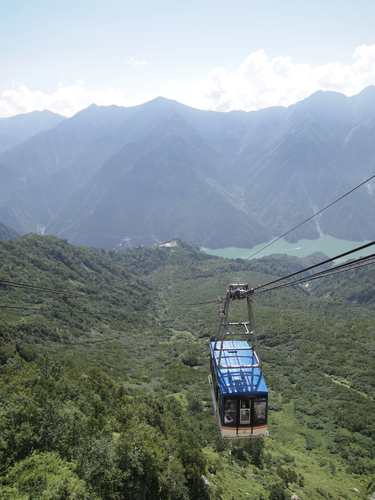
<point x="110" y="399"/>
<point x="68" y="433"/>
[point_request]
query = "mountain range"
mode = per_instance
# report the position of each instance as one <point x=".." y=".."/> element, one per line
<point x="17" y="129"/>
<point x="115" y="177"/>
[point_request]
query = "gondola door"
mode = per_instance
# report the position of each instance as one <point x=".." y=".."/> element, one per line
<point x="244" y="412"/>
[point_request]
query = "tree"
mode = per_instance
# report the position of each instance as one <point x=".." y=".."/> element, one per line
<point x="43" y="475"/>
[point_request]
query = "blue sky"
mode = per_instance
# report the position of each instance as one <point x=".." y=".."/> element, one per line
<point x="63" y="55"/>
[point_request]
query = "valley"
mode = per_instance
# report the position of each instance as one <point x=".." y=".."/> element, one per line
<point x="92" y="363"/>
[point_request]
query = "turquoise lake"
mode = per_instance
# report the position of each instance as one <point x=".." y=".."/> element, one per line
<point x="327" y="244"/>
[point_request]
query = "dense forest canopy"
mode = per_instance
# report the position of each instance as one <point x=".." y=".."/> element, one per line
<point x="109" y="399"/>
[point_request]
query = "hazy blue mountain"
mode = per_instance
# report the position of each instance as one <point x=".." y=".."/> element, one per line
<point x="70" y="141"/>
<point x="112" y="176"/>
<point x="43" y="172"/>
<point x="309" y="160"/>
<point x="7" y="233"/>
<point x="169" y="190"/>
<point x="17" y="129"/>
<point x="50" y="173"/>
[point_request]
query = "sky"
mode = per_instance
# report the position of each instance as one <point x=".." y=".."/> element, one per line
<point x="217" y="55"/>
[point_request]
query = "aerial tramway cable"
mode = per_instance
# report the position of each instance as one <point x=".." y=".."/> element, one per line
<point x="41" y="310"/>
<point x="367" y="245"/>
<point x="347" y="266"/>
<point x="26" y="286"/>
<point x="317" y="213"/>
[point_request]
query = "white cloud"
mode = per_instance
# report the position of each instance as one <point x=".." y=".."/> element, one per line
<point x="136" y="64"/>
<point x="258" y="82"/>
<point x="67" y="100"/>
<point x="261" y="82"/>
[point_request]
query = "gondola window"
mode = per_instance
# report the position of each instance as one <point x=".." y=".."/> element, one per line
<point x="230" y="411"/>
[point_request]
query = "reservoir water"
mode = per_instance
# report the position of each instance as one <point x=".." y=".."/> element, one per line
<point x="326" y="244"/>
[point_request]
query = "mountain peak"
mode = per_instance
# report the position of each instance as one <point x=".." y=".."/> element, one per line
<point x="161" y="103"/>
<point x="162" y="99"/>
<point x="324" y="96"/>
<point x="370" y="90"/>
<point x="366" y="97"/>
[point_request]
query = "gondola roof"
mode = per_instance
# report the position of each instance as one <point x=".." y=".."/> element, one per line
<point x="238" y="381"/>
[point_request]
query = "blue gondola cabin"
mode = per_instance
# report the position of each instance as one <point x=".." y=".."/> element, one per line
<point x="239" y="394"/>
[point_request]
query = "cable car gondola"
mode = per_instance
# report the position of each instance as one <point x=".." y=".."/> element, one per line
<point x="239" y="392"/>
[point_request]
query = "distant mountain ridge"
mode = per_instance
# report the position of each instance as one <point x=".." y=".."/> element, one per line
<point x="17" y="129"/>
<point x="7" y="233"/>
<point x="117" y="177"/>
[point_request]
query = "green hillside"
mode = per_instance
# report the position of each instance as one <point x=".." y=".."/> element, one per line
<point x="109" y="398"/>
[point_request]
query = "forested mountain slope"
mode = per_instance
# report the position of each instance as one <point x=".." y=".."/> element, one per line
<point x="38" y="175"/>
<point x="325" y="148"/>
<point x="167" y="190"/>
<point x="146" y="426"/>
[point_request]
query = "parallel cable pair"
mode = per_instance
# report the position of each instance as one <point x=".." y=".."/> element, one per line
<point x="345" y="254"/>
<point x="26" y="286"/>
<point x="347" y="266"/>
<point x="317" y="275"/>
